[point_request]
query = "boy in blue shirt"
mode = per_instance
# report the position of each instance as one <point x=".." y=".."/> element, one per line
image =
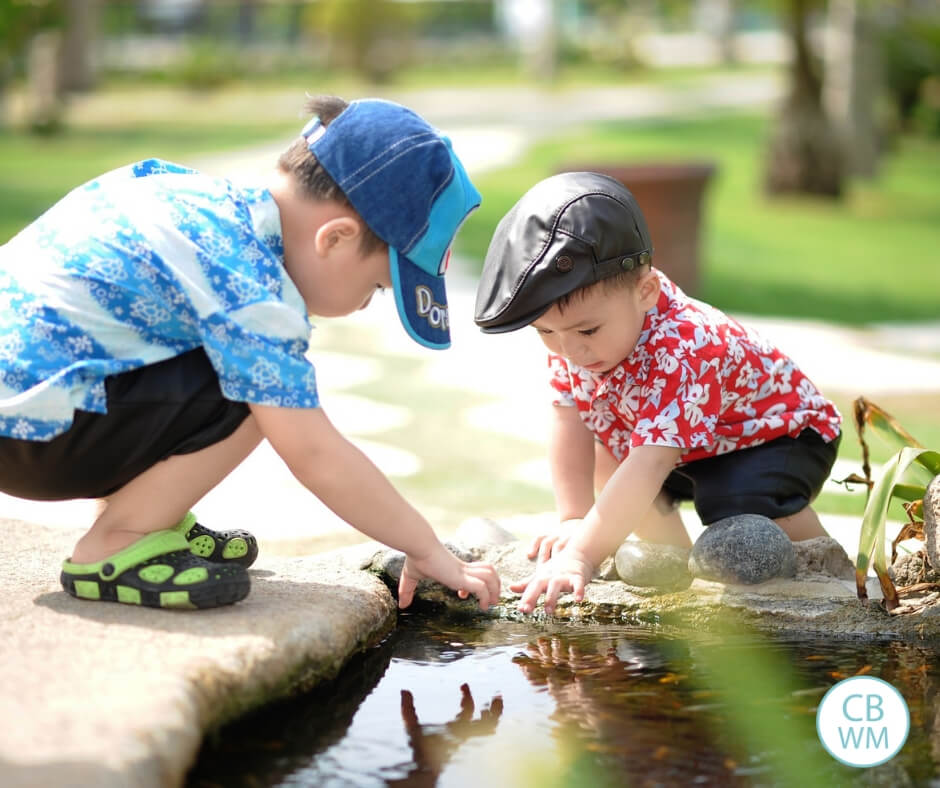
<point x="153" y="331"/>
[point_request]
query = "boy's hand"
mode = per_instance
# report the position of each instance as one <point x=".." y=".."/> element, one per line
<point x="546" y="546"/>
<point x="477" y="578"/>
<point x="569" y="570"/>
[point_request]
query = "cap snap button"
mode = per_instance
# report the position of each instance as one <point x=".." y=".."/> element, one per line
<point x="644" y="258"/>
<point x="564" y="263"/>
<point x="627" y="263"/>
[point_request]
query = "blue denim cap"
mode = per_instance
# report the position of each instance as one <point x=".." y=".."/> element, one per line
<point x="403" y="178"/>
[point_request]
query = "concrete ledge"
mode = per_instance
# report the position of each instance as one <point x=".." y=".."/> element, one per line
<point x="114" y="695"/>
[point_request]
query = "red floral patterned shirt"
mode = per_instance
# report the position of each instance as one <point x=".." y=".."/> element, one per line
<point x="696" y="380"/>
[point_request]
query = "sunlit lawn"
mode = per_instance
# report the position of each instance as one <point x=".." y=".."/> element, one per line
<point x="139" y="123"/>
<point x="870" y="258"/>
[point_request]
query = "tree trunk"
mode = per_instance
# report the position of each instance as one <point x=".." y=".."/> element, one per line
<point x="43" y="94"/>
<point x="804" y="155"/>
<point x="247" y="17"/>
<point x="852" y="82"/>
<point x="716" y="18"/>
<point x="77" y="66"/>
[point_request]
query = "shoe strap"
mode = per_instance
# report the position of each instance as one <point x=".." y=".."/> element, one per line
<point x="152" y="545"/>
<point x="185" y="525"/>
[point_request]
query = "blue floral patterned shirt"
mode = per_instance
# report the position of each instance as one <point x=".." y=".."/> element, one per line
<point x="142" y="264"/>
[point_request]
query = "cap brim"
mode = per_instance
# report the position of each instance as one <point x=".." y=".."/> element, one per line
<point x="421" y="300"/>
<point x="488" y="326"/>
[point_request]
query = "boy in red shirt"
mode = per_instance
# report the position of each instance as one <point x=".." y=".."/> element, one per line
<point x="659" y="398"/>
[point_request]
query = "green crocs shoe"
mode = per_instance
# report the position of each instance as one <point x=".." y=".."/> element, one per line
<point x="157" y="571"/>
<point x="223" y="547"/>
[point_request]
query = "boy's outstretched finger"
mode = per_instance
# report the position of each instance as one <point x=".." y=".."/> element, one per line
<point x="534" y="545"/>
<point x="478" y="588"/>
<point x="406" y="589"/>
<point x="557" y="586"/>
<point x="546" y="549"/>
<point x="577" y="587"/>
<point x="531" y="595"/>
<point x="521" y="585"/>
<point x="488" y="578"/>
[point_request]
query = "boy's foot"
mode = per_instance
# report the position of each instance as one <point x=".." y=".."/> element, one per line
<point x="157" y="571"/>
<point x="223" y="547"/>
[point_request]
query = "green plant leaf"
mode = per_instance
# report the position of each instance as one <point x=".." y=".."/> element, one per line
<point x="890" y="484"/>
<point x="908" y="492"/>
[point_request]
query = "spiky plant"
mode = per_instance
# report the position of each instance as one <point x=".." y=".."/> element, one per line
<point x="905" y="476"/>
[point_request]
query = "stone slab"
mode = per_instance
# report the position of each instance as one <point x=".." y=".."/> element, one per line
<point x="114" y="695"/>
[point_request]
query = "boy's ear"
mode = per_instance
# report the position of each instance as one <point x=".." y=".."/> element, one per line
<point x="648" y="288"/>
<point x="335" y="232"/>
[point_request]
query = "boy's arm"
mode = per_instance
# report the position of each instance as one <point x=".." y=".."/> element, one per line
<point x="571" y="460"/>
<point x="624" y="501"/>
<point x="346" y="480"/>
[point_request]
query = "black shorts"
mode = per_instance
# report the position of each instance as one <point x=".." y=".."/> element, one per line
<point x="154" y="412"/>
<point x="775" y="479"/>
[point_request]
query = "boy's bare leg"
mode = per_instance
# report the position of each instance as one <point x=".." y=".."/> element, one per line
<point x="662" y="524"/>
<point x="162" y="495"/>
<point x="802" y="525"/>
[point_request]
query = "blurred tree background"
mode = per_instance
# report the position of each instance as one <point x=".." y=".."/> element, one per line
<point x="850" y="149"/>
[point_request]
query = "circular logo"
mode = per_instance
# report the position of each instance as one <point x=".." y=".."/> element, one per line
<point x="863" y="721"/>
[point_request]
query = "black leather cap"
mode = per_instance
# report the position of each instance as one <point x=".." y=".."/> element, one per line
<point x="566" y="232"/>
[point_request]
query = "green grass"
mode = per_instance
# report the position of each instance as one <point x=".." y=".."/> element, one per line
<point x="121" y="124"/>
<point x="869" y="258"/>
<point x="37" y="171"/>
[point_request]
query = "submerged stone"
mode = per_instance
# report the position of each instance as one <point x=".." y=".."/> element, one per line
<point x="744" y="549"/>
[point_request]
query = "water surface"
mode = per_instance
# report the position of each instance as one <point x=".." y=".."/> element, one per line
<point x="503" y="703"/>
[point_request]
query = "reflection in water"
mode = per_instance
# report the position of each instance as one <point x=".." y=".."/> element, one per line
<point x="576" y="705"/>
<point x="433" y="745"/>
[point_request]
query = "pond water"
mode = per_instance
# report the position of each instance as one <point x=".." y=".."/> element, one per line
<point x="509" y="703"/>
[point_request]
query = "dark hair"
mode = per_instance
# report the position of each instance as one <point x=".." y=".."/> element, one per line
<point x="311" y="178"/>
<point x="619" y="281"/>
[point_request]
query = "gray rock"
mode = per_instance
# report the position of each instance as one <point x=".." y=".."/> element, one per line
<point x="823" y="555"/>
<point x="650" y="565"/>
<point x="387" y="562"/>
<point x="932" y="522"/>
<point x="911" y="568"/>
<point x="482" y="532"/>
<point x="607" y="569"/>
<point x="745" y="549"/>
<point x="817" y="603"/>
<point x="387" y="565"/>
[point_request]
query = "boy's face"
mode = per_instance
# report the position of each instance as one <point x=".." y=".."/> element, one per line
<point x="600" y="329"/>
<point x="348" y="283"/>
